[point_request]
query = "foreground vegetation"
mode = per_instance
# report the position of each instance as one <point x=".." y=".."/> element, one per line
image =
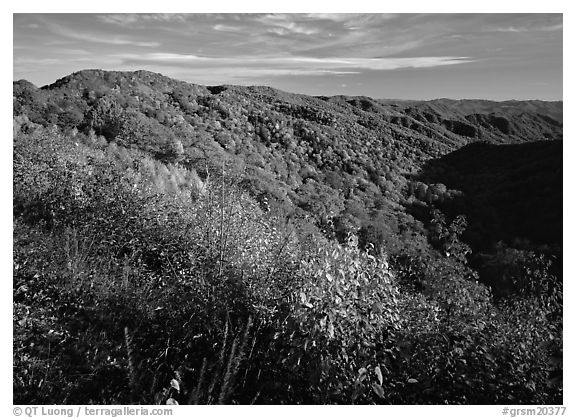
<point x="140" y="280"/>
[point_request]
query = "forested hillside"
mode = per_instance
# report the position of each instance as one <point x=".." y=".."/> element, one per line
<point x="235" y="244"/>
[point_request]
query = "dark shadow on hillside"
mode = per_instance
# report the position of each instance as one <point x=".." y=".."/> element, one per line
<point x="511" y="196"/>
<point x="510" y="192"/>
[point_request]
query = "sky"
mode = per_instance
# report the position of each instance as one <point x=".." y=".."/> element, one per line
<point x="396" y="56"/>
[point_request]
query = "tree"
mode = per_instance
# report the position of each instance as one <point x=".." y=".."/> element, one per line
<point x="106" y="117"/>
<point x="447" y="238"/>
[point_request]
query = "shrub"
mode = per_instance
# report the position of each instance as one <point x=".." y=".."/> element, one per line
<point x="135" y="282"/>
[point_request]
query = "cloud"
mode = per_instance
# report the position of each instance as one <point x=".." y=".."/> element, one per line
<point x="284" y="65"/>
<point x="33" y="64"/>
<point x="36" y="61"/>
<point x="71" y="51"/>
<point x="358" y="44"/>
<point x="292" y="29"/>
<point x="352" y="19"/>
<point x="263" y="71"/>
<point x="284" y="24"/>
<point x="519" y="29"/>
<point x="119" y="19"/>
<point x="227" y="28"/>
<point x="132" y="18"/>
<point x="102" y="39"/>
<point x="335" y="17"/>
<point x="530" y="23"/>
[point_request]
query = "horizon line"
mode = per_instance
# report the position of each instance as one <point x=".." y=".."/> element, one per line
<point x="293" y="92"/>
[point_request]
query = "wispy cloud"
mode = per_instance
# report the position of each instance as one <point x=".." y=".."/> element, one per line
<point x="526" y="23"/>
<point x="227" y="28"/>
<point x="284" y="65"/>
<point x="352" y="19"/>
<point x="29" y="64"/>
<point x="98" y="38"/>
<point x="133" y="18"/>
<point x="284" y="24"/>
<point x="335" y="17"/>
<point x="518" y="29"/>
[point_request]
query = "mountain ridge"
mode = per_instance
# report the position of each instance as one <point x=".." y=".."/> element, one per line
<point x="380" y="99"/>
<point x="335" y="156"/>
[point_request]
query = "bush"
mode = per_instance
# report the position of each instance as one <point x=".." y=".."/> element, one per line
<point x="135" y="282"/>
